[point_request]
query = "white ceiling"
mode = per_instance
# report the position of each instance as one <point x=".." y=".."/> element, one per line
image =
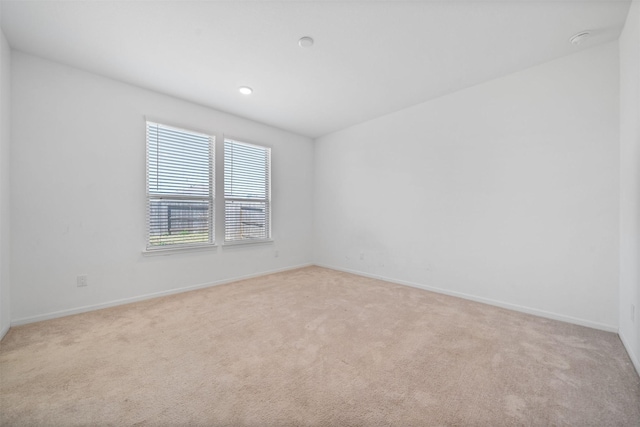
<point x="370" y="58"/>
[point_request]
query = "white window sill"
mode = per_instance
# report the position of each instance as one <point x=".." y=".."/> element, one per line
<point x="178" y="250"/>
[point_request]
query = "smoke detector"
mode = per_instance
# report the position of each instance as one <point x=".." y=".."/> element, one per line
<point x="305" y="42"/>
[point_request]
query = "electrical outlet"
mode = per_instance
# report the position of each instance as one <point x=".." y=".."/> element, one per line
<point x="633" y="313"/>
<point x="81" y="281"/>
<point x="276" y="254"/>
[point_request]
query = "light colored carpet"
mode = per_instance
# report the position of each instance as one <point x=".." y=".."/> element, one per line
<point x="314" y="347"/>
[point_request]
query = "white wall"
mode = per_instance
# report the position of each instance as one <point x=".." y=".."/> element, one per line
<point x="630" y="183"/>
<point x="5" y="135"/>
<point x="78" y="195"/>
<point x="505" y="192"/>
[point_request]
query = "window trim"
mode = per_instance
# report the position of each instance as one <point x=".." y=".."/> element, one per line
<point x="180" y="247"/>
<point x="268" y="199"/>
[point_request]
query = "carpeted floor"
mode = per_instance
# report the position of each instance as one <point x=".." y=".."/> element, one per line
<point x="314" y="347"/>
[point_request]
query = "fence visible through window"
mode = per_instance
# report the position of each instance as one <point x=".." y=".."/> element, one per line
<point x="179" y="222"/>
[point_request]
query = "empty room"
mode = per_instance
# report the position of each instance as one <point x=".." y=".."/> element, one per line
<point x="320" y="213"/>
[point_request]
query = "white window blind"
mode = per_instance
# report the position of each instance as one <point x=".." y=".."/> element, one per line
<point x="180" y="187"/>
<point x="247" y="187"/>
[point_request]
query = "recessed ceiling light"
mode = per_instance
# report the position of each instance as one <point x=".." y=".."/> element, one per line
<point x="305" y="42"/>
<point x="245" y="90"/>
<point x="579" y="38"/>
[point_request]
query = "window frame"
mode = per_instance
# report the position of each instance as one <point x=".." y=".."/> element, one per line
<point x="211" y="199"/>
<point x="268" y="200"/>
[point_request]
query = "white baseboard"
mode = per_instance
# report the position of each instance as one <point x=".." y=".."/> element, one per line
<point x="632" y="354"/>
<point x="86" y="308"/>
<point x="509" y="306"/>
<point x="4" y="331"/>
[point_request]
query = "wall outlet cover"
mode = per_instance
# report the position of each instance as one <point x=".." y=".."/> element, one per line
<point x="81" y="281"/>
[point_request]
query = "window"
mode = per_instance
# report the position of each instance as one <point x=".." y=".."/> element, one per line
<point x="247" y="182"/>
<point x="180" y="189"/>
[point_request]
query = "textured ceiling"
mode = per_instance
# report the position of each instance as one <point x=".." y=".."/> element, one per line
<point x="370" y="58"/>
